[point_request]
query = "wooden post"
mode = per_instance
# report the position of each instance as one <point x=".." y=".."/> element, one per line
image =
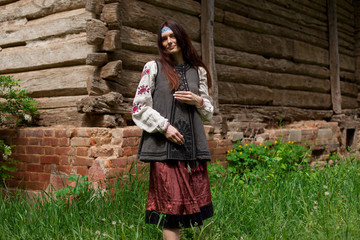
<point x="207" y="46"/>
<point x="334" y="57"/>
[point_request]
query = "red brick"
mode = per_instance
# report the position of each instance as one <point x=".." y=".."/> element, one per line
<point x="82" y="170"/>
<point x="34" y="133"/>
<point x="220" y="150"/>
<point x="49" y="142"/>
<point x="63" y="151"/>
<point x="132" y="132"/>
<point x="129" y="151"/>
<point x="64" y="160"/>
<point x="47" y="168"/>
<point x="81" y="161"/>
<point x="44" y="177"/>
<point x="81" y="132"/>
<point x="63" y="142"/>
<point x="18" y="175"/>
<point x="82" y="151"/>
<point x="48" y="133"/>
<point x="34" y="150"/>
<point x="49" y="159"/>
<point x="49" y="150"/>
<point x="35" y="168"/>
<point x="131" y="142"/>
<point x="212" y="144"/>
<point x="60" y="133"/>
<point x="225" y="143"/>
<point x="80" y="142"/>
<point x="35" y="185"/>
<point x="20" y="166"/>
<point x="101" y="152"/>
<point x="21" y="157"/>
<point x="32" y="176"/>
<point x="65" y="169"/>
<point x="119" y="162"/>
<point x="19" y="150"/>
<point x="20" y="141"/>
<point x="34" y="141"/>
<point x="21" y="133"/>
<point x="92" y="141"/>
<point x="34" y="158"/>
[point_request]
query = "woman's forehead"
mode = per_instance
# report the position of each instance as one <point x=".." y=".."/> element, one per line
<point x="166" y="30"/>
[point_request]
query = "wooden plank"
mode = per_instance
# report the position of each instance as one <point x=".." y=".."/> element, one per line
<point x="207" y="47"/>
<point x="138" y="40"/>
<point x="129" y="82"/>
<point x="271" y="79"/>
<point x="45" y="54"/>
<point x="334" y="58"/>
<point x="145" y="16"/>
<point x="301" y="99"/>
<point x="186" y="6"/>
<point x="61" y="116"/>
<point x="54" y="25"/>
<point x="57" y="81"/>
<point x="133" y="60"/>
<point x="32" y="9"/>
<point x="3" y="2"/>
<point x="349" y="89"/>
<point x="58" y="102"/>
<point x="248" y="60"/>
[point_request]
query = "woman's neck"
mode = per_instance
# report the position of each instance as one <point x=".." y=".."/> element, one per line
<point x="178" y="58"/>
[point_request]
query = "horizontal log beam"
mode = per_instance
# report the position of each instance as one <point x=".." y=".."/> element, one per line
<point x="54" y="25"/>
<point x="54" y="53"/>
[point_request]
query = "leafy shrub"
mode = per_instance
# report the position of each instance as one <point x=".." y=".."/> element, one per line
<point x="15" y="107"/>
<point x="269" y="159"/>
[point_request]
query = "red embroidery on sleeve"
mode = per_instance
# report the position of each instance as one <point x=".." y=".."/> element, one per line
<point x="143" y="89"/>
<point x="136" y="108"/>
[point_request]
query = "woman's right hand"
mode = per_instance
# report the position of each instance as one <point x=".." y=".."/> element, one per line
<point x="174" y="135"/>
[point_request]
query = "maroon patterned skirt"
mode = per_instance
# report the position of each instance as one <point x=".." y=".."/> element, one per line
<point x="178" y="198"/>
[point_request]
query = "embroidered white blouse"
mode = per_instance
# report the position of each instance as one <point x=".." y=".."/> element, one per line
<point x="147" y="118"/>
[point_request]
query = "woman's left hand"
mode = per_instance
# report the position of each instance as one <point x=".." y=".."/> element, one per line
<point x="189" y="98"/>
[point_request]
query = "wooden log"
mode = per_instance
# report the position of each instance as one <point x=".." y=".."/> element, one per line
<point x="349" y="102"/>
<point x="348" y="76"/>
<point x="186" y="6"/>
<point x="112" y="41"/>
<point x="107" y="103"/>
<point x="349" y="89"/>
<point x="270" y="79"/>
<point x="267" y="16"/>
<point x="56" y="82"/>
<point x="112" y="70"/>
<point x="142" y="15"/>
<point x="129" y="82"/>
<point x="3" y="2"/>
<point x="60" y="116"/>
<point x="270" y="46"/>
<point x="242" y="22"/>
<point x="97" y="59"/>
<point x="334" y="58"/>
<point x="32" y="9"/>
<point x="95" y="31"/>
<point x="97" y="86"/>
<point x="111" y="14"/>
<point x="207" y="47"/>
<point x="138" y="40"/>
<point x="132" y="60"/>
<point x="244" y="94"/>
<point x="301" y="99"/>
<point x="52" y="53"/>
<point x="54" y="25"/>
<point x="248" y="60"/>
<point x="58" y="102"/>
<point x="347" y="63"/>
<point x="94" y="6"/>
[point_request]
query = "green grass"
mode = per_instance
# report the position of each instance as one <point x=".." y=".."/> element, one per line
<point x="322" y="204"/>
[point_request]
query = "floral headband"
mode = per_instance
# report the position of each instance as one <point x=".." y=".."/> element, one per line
<point x="165" y="29"/>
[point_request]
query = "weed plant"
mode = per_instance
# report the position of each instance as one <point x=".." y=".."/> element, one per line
<point x="320" y="203"/>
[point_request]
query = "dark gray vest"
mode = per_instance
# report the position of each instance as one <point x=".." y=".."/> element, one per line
<point x="184" y="117"/>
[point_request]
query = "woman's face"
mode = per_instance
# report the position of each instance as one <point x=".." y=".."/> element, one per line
<point x="169" y="41"/>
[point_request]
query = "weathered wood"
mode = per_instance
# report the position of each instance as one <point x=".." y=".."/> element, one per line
<point x="112" y="70"/>
<point x="111" y="14"/>
<point x="95" y="31"/>
<point x="52" y="53"/>
<point x="107" y="103"/>
<point x="267" y="17"/>
<point x="244" y="94"/>
<point x="97" y="86"/>
<point x="334" y="58"/>
<point x="349" y="89"/>
<point x="248" y="60"/>
<point x="357" y="40"/>
<point x="57" y="81"/>
<point x="349" y="103"/>
<point x="58" y="102"/>
<point x="301" y="99"/>
<point x="271" y="79"/>
<point x="186" y="6"/>
<point x="142" y="15"/>
<point x="3" y="2"/>
<point x="207" y="47"/>
<point x="60" y="116"/>
<point x="32" y="9"/>
<point x="112" y="41"/>
<point x="133" y="60"/>
<point x="347" y="63"/>
<point x="138" y="40"/>
<point x="94" y="6"/>
<point x="97" y="59"/>
<point x="54" y="25"/>
<point x="129" y="82"/>
<point x="271" y="46"/>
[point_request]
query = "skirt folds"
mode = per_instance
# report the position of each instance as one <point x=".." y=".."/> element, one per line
<point x="178" y="198"/>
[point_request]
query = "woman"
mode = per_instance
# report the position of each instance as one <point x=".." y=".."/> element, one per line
<point x="170" y="104"/>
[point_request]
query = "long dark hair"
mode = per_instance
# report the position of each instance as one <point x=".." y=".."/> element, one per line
<point x="188" y="51"/>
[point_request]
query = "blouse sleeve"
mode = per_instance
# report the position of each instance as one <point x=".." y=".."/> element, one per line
<point x="207" y="109"/>
<point x="144" y="116"/>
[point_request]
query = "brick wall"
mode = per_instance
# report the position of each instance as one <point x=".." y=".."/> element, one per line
<point x="47" y="155"/>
